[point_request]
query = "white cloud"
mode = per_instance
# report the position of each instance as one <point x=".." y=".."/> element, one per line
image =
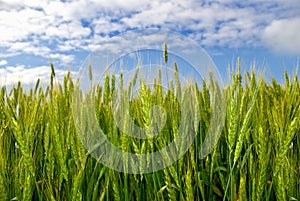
<point x="28" y="76"/>
<point x="31" y="31"/>
<point x="104" y="25"/>
<point x="71" y="44"/>
<point x="11" y="75"/>
<point x="157" y="14"/>
<point x="62" y="57"/>
<point x="283" y="35"/>
<point x="3" y="62"/>
<point x="14" y="4"/>
<point x="20" y="24"/>
<point x="89" y="9"/>
<point x="68" y="30"/>
<point x="32" y="48"/>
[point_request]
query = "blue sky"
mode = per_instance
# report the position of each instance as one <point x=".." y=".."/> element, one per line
<point x="265" y="33"/>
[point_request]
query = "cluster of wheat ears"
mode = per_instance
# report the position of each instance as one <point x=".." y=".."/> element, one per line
<point x="256" y="158"/>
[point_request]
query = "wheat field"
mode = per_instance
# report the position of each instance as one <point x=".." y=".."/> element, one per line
<point x="256" y="158"/>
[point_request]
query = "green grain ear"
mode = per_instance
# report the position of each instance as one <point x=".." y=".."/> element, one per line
<point x="90" y="72"/>
<point x="165" y="53"/>
<point x="52" y="74"/>
<point x="52" y="69"/>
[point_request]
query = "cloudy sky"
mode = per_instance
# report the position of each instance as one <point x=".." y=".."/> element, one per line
<point x="265" y="33"/>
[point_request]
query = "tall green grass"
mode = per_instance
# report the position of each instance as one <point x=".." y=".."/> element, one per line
<point x="256" y="158"/>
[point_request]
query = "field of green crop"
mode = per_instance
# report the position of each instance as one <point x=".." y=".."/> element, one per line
<point x="256" y="158"/>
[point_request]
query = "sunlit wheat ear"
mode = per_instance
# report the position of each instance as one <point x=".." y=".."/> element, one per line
<point x="106" y="89"/>
<point x="177" y="82"/>
<point x="244" y="127"/>
<point x="3" y="191"/>
<point x="170" y="186"/>
<point x="233" y="122"/>
<point x="188" y="185"/>
<point x="243" y="186"/>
